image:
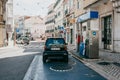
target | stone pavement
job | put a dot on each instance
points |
(108, 62)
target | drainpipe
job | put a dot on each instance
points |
(113, 25)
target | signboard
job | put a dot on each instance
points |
(89, 15)
(17, 30)
(94, 33)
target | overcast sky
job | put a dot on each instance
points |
(31, 7)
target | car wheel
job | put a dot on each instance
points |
(44, 59)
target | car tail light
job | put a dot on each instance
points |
(44, 47)
(65, 47)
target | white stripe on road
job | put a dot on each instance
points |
(31, 73)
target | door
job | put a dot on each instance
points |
(107, 22)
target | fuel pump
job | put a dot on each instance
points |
(92, 44)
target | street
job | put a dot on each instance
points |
(14, 62)
(58, 70)
(25, 62)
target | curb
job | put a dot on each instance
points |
(98, 69)
(7, 47)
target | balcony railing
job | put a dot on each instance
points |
(50, 21)
(56, 3)
(50, 12)
(48, 31)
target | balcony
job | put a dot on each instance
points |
(66, 13)
(50, 21)
(57, 2)
(50, 12)
(49, 31)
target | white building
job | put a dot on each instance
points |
(9, 22)
(58, 9)
(35, 25)
(50, 21)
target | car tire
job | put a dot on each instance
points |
(44, 59)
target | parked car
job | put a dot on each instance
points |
(23, 40)
(55, 48)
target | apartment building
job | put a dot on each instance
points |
(50, 22)
(58, 9)
(69, 21)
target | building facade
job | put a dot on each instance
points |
(80, 17)
(107, 23)
(50, 22)
(3, 37)
(9, 22)
(58, 9)
(69, 21)
(34, 26)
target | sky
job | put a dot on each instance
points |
(31, 7)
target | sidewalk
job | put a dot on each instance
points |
(6, 47)
(108, 62)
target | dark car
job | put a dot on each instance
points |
(55, 48)
(26, 40)
(23, 40)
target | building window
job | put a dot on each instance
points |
(106, 31)
(78, 5)
(59, 13)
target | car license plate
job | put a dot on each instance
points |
(55, 48)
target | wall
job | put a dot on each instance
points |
(104, 10)
(117, 32)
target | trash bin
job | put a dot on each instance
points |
(82, 49)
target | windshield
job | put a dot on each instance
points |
(56, 41)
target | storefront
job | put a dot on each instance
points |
(88, 21)
(89, 31)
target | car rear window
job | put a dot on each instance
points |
(56, 41)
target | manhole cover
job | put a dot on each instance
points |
(61, 68)
(104, 63)
(117, 64)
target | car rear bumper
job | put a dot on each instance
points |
(55, 54)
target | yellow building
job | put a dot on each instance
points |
(2, 23)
